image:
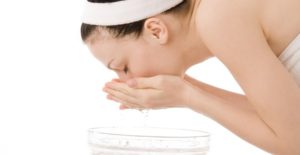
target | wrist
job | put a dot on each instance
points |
(197, 100)
(191, 97)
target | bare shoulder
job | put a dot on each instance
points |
(223, 14)
(267, 16)
(242, 6)
(230, 28)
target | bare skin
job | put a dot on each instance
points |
(247, 36)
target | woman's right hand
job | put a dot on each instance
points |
(163, 91)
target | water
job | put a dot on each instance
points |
(145, 116)
(132, 118)
(131, 135)
(147, 141)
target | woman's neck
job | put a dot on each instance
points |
(196, 51)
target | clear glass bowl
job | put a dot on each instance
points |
(147, 141)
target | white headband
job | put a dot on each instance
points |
(124, 12)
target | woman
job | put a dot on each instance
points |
(150, 44)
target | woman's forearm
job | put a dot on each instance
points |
(244, 123)
(240, 118)
(236, 99)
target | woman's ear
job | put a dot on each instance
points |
(155, 30)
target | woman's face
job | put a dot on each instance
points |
(163, 48)
(130, 57)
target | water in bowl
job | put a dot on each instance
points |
(147, 141)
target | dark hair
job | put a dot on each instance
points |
(119, 31)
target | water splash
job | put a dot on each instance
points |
(132, 118)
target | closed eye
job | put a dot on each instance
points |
(126, 70)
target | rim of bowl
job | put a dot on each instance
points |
(196, 133)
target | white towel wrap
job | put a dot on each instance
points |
(290, 57)
(124, 12)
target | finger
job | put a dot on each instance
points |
(121, 98)
(123, 105)
(144, 83)
(110, 97)
(117, 80)
(120, 87)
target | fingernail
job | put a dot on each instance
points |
(123, 108)
(109, 97)
(108, 85)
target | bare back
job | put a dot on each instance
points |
(280, 19)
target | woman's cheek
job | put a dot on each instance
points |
(142, 72)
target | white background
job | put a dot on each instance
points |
(50, 86)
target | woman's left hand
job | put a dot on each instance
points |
(157, 92)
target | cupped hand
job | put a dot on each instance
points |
(163, 91)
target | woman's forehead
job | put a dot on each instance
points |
(99, 35)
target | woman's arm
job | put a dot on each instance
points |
(168, 91)
(234, 112)
(235, 99)
(241, 120)
(233, 32)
